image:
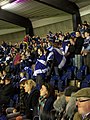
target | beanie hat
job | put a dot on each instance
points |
(69, 90)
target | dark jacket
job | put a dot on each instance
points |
(31, 104)
(6, 93)
(48, 107)
(49, 104)
(71, 51)
(78, 45)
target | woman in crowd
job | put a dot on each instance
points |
(40, 67)
(47, 98)
(28, 106)
(31, 100)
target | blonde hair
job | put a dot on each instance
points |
(31, 83)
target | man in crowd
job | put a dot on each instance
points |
(78, 47)
(83, 104)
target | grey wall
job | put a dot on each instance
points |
(56, 27)
(63, 26)
(14, 37)
(86, 17)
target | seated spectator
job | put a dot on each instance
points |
(7, 91)
(18, 108)
(47, 98)
(83, 104)
(1, 84)
(2, 116)
(65, 105)
(31, 101)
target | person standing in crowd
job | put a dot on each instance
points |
(86, 49)
(40, 67)
(55, 59)
(78, 47)
(70, 55)
(59, 59)
(83, 104)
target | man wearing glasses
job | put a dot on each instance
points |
(83, 104)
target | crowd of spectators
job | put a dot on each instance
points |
(26, 69)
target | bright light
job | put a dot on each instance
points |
(7, 5)
(4, 2)
(10, 4)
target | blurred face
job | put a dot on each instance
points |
(23, 57)
(1, 74)
(67, 98)
(77, 34)
(26, 53)
(83, 105)
(79, 25)
(39, 52)
(43, 91)
(27, 87)
(4, 72)
(21, 74)
(86, 34)
(22, 84)
(7, 81)
(1, 82)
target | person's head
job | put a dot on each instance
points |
(85, 22)
(40, 51)
(50, 42)
(29, 85)
(69, 91)
(86, 26)
(72, 41)
(87, 33)
(1, 74)
(4, 72)
(22, 82)
(78, 34)
(23, 57)
(7, 80)
(56, 44)
(47, 90)
(1, 82)
(83, 100)
(22, 74)
(79, 25)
